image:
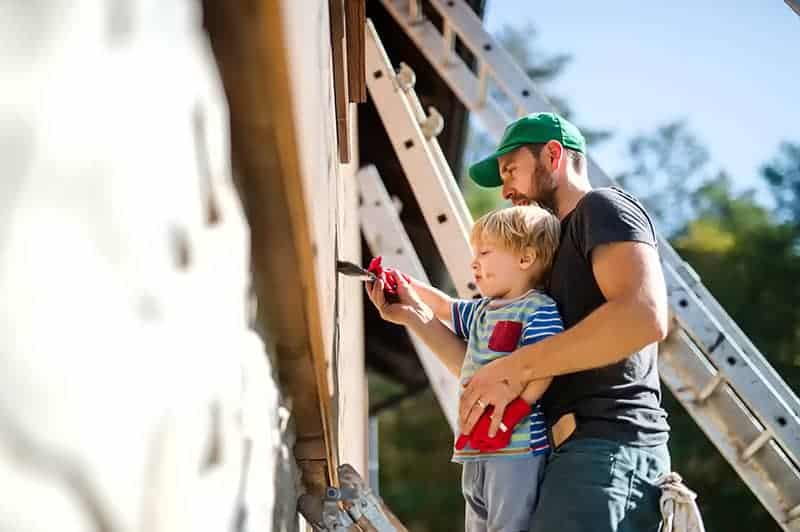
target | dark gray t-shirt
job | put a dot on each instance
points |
(621, 402)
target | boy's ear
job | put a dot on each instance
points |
(527, 258)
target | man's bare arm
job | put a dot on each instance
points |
(635, 314)
(535, 389)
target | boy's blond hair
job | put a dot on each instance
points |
(521, 228)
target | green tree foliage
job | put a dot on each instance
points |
(783, 175)
(750, 261)
(667, 167)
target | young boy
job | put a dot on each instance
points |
(513, 250)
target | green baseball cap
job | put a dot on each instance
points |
(534, 128)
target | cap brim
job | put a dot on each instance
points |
(486, 172)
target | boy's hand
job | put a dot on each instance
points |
(408, 307)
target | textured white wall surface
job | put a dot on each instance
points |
(132, 395)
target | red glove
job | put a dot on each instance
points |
(388, 276)
(479, 437)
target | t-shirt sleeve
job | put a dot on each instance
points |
(462, 312)
(612, 215)
(544, 322)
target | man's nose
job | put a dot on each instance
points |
(507, 192)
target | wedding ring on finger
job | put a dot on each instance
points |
(502, 427)
(480, 403)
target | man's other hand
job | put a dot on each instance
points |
(495, 384)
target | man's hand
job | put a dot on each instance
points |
(409, 307)
(495, 384)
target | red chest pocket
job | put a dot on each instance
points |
(505, 336)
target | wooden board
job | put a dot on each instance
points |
(282, 137)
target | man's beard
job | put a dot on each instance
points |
(544, 185)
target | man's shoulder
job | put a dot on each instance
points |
(602, 205)
(608, 196)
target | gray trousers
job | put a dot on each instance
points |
(501, 493)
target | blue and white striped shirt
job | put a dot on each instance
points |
(475, 321)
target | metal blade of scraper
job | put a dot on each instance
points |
(354, 270)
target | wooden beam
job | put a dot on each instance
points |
(249, 41)
(355, 28)
(340, 83)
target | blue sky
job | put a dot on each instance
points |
(731, 69)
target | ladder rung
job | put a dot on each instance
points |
(726, 420)
(449, 37)
(483, 83)
(415, 11)
(793, 513)
(710, 388)
(756, 444)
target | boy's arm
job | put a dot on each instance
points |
(448, 347)
(535, 389)
(412, 312)
(439, 302)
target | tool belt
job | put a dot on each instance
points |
(560, 431)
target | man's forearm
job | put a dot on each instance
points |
(535, 389)
(448, 347)
(611, 333)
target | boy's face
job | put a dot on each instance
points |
(499, 272)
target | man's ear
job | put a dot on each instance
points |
(553, 152)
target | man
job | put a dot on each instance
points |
(607, 427)
(603, 405)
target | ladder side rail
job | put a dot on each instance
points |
(464, 84)
(507, 74)
(461, 16)
(736, 368)
(794, 5)
(412, 149)
(731, 328)
(386, 236)
(434, 123)
(729, 425)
